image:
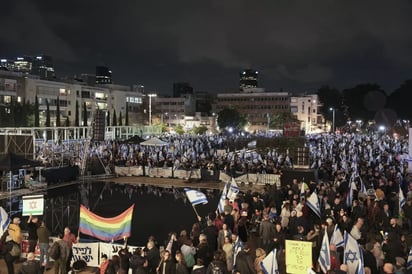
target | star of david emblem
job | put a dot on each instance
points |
(351, 256)
(33, 205)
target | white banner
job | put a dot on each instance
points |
(113, 249)
(89, 252)
(33, 205)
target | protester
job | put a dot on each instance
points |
(30, 266)
(32, 225)
(43, 235)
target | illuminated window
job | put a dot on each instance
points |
(7, 99)
(62, 91)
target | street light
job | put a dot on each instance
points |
(333, 118)
(150, 106)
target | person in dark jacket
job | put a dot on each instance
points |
(138, 263)
(167, 265)
(31, 266)
(32, 225)
(153, 257)
(124, 256)
(218, 263)
(244, 261)
(369, 259)
(203, 251)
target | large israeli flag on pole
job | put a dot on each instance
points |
(324, 255)
(221, 205)
(270, 263)
(196, 197)
(313, 203)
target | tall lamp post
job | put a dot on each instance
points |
(150, 106)
(333, 118)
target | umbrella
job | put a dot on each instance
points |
(154, 142)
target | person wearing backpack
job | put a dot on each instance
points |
(244, 261)
(12, 249)
(217, 265)
(61, 262)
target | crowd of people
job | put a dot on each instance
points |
(361, 182)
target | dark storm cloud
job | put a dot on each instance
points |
(295, 44)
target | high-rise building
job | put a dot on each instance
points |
(103, 75)
(248, 79)
(41, 65)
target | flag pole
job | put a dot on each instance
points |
(197, 214)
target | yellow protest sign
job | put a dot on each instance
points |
(298, 256)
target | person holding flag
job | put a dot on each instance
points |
(353, 255)
(324, 255)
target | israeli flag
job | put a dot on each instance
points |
(196, 197)
(402, 200)
(4, 221)
(324, 255)
(313, 203)
(270, 263)
(409, 262)
(353, 256)
(362, 187)
(233, 191)
(221, 205)
(337, 238)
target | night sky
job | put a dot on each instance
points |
(297, 46)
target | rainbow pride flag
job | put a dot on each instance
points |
(106, 229)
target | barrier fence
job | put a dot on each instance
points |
(255, 178)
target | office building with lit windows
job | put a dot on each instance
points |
(255, 106)
(41, 66)
(306, 109)
(103, 75)
(248, 80)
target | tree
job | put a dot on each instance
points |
(179, 129)
(108, 118)
(120, 119)
(114, 123)
(397, 102)
(230, 118)
(127, 114)
(200, 130)
(36, 112)
(76, 117)
(47, 124)
(363, 101)
(278, 119)
(58, 112)
(84, 114)
(330, 97)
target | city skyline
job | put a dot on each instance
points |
(295, 46)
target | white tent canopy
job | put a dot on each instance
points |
(156, 142)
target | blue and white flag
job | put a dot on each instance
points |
(196, 197)
(337, 238)
(270, 263)
(352, 255)
(313, 203)
(349, 198)
(402, 200)
(363, 187)
(221, 205)
(4, 221)
(324, 255)
(409, 262)
(232, 191)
